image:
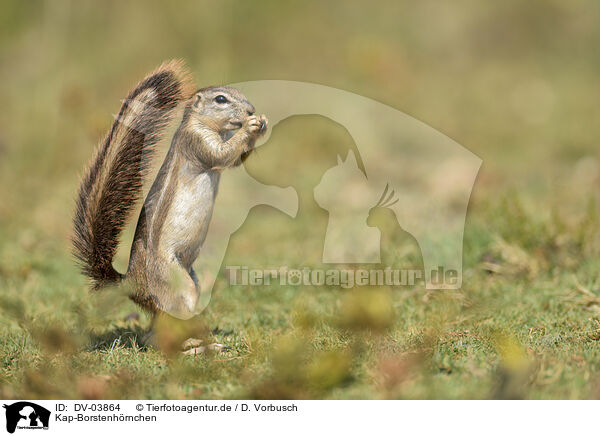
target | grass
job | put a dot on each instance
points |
(525, 324)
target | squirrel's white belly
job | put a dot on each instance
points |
(189, 216)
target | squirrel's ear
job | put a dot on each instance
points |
(197, 101)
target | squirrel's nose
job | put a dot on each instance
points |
(250, 109)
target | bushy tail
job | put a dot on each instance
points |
(113, 181)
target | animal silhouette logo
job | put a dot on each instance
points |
(26, 415)
(361, 230)
(428, 178)
(431, 175)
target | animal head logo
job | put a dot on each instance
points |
(26, 415)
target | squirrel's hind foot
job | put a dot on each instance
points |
(192, 347)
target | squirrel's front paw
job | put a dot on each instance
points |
(257, 125)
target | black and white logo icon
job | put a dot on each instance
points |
(26, 415)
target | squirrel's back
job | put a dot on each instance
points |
(112, 183)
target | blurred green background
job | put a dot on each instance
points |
(515, 82)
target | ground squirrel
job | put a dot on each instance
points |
(218, 131)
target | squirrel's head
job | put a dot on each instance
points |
(221, 108)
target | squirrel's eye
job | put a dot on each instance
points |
(221, 99)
